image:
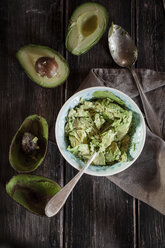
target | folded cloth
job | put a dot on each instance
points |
(145, 179)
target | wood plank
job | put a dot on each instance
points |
(23, 22)
(150, 42)
(98, 214)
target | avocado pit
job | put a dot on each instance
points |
(29, 143)
(46, 67)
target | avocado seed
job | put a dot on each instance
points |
(46, 67)
(29, 143)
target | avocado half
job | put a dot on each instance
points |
(87, 25)
(32, 192)
(29, 145)
(28, 57)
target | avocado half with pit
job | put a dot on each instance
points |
(29, 145)
(43, 65)
(32, 192)
(87, 25)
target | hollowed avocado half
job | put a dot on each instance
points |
(43, 65)
(87, 25)
(29, 145)
(32, 192)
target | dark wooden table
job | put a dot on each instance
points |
(98, 214)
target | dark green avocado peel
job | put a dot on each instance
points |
(29, 145)
(32, 192)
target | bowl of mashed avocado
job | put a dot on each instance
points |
(100, 119)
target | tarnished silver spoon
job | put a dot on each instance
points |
(124, 52)
(55, 204)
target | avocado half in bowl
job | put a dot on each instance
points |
(133, 132)
(87, 25)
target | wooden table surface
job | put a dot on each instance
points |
(98, 214)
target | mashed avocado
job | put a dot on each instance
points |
(101, 124)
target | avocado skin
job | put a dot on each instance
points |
(86, 49)
(20, 161)
(32, 77)
(32, 192)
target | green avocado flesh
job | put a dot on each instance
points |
(21, 161)
(32, 192)
(87, 25)
(28, 56)
(101, 124)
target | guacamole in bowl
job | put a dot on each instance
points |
(104, 120)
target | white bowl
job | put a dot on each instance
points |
(137, 138)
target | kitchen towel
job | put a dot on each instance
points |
(145, 179)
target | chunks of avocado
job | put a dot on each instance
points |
(99, 124)
(87, 25)
(43, 65)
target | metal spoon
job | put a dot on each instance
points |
(124, 52)
(57, 202)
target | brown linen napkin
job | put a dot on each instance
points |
(145, 179)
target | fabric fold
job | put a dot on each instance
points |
(145, 179)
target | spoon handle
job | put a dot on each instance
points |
(151, 117)
(57, 202)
